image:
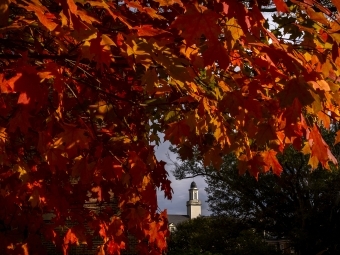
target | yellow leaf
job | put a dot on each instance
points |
(34, 198)
(223, 86)
(169, 2)
(313, 162)
(107, 41)
(326, 67)
(3, 135)
(169, 115)
(140, 49)
(306, 149)
(23, 170)
(146, 181)
(102, 110)
(307, 56)
(233, 32)
(324, 119)
(320, 84)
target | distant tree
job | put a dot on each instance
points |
(217, 236)
(301, 204)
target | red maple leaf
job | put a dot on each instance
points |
(195, 22)
(177, 132)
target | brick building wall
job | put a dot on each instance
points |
(83, 249)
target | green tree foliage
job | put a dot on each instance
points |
(301, 204)
(217, 236)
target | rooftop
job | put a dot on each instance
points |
(176, 219)
(193, 185)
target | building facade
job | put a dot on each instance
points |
(194, 209)
(193, 205)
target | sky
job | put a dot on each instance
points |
(180, 187)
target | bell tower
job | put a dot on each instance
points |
(193, 205)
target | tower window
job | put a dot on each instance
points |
(195, 195)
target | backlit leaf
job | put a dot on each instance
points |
(269, 157)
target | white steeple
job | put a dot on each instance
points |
(193, 205)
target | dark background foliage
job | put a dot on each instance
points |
(300, 205)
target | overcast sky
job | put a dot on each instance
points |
(181, 194)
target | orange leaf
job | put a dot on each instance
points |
(319, 148)
(5, 87)
(42, 13)
(169, 2)
(270, 160)
(114, 248)
(149, 30)
(324, 119)
(158, 231)
(75, 235)
(281, 6)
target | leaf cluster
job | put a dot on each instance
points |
(86, 87)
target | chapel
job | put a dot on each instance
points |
(193, 209)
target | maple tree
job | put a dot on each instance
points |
(87, 86)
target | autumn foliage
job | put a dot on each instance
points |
(87, 87)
